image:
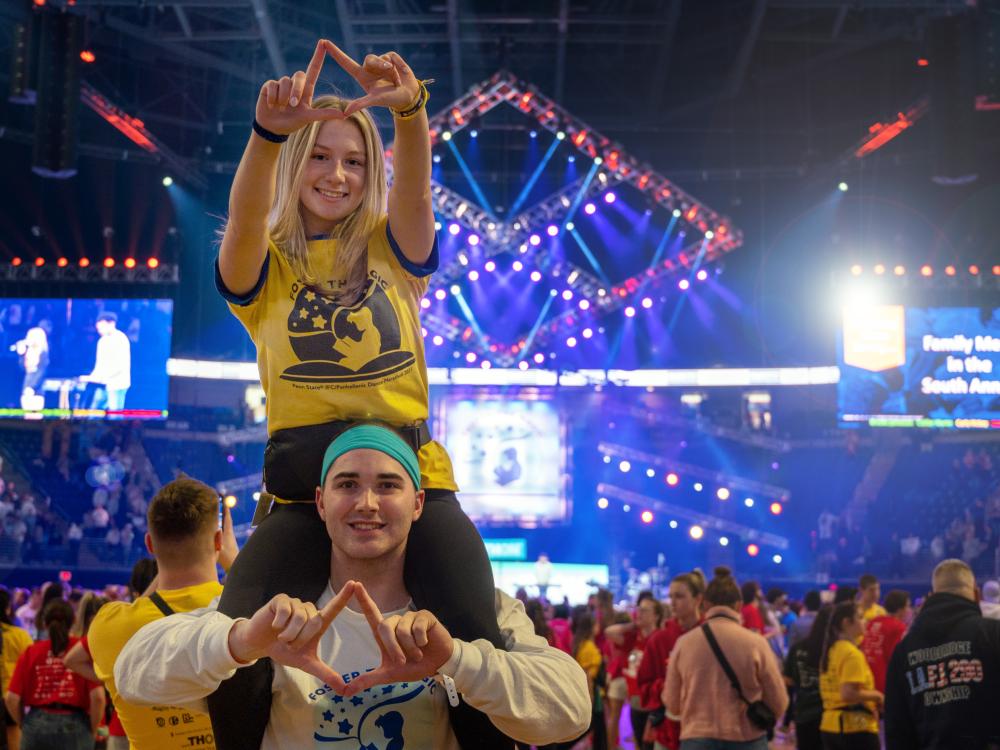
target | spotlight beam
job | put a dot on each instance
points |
(538, 324)
(658, 255)
(694, 270)
(589, 254)
(483, 203)
(581, 194)
(526, 190)
(469, 316)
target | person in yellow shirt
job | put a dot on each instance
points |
(185, 538)
(325, 266)
(869, 593)
(15, 641)
(847, 686)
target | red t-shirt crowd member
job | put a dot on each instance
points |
(633, 646)
(41, 679)
(882, 634)
(652, 674)
(752, 619)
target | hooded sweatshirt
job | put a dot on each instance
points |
(943, 682)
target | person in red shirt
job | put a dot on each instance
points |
(65, 709)
(630, 640)
(752, 617)
(686, 592)
(884, 632)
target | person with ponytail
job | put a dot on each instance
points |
(15, 641)
(325, 267)
(63, 709)
(847, 685)
(802, 673)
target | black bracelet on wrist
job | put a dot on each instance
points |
(266, 134)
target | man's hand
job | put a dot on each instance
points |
(413, 645)
(289, 631)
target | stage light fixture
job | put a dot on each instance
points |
(650, 473)
(109, 262)
(153, 263)
(560, 136)
(567, 294)
(842, 187)
(856, 270)
(473, 239)
(437, 158)
(446, 136)
(473, 133)
(698, 486)
(536, 276)
(950, 270)
(776, 508)
(523, 249)
(486, 364)
(490, 266)
(584, 304)
(552, 230)
(517, 265)
(130, 263)
(571, 342)
(647, 516)
(722, 493)
(570, 226)
(996, 270)
(590, 209)
(168, 181)
(696, 532)
(425, 303)
(62, 262)
(84, 262)
(683, 285)
(533, 133)
(777, 559)
(624, 467)
(676, 213)
(974, 270)
(923, 62)
(673, 524)
(647, 303)
(438, 340)
(39, 261)
(926, 271)
(753, 550)
(535, 240)
(522, 365)
(571, 159)
(440, 294)
(539, 359)
(473, 275)
(879, 269)
(87, 56)
(602, 503)
(724, 541)
(454, 229)
(15, 261)
(626, 508)
(899, 270)
(587, 333)
(610, 197)
(702, 275)
(672, 479)
(709, 234)
(470, 357)
(748, 502)
(629, 312)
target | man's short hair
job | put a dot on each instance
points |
(866, 581)
(813, 601)
(896, 601)
(953, 577)
(182, 511)
(845, 594)
(108, 317)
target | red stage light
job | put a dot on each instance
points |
(84, 262)
(776, 508)
(974, 270)
(87, 56)
(39, 3)
(109, 262)
(673, 479)
(926, 271)
(753, 550)
(62, 262)
(152, 263)
(130, 263)
(996, 270)
(39, 262)
(15, 261)
(923, 62)
(949, 270)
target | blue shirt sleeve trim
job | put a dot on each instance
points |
(242, 299)
(418, 270)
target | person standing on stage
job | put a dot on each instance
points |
(325, 267)
(112, 366)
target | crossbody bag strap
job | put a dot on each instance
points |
(161, 604)
(723, 662)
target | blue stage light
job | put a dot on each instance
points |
(517, 265)
(570, 225)
(624, 467)
(454, 229)
(676, 213)
(425, 303)
(683, 285)
(629, 312)
(438, 340)
(702, 275)
(587, 333)
(535, 240)
(590, 209)
(571, 158)
(490, 266)
(536, 276)
(470, 357)
(440, 294)
(724, 541)
(539, 359)
(522, 365)
(446, 136)
(533, 133)
(567, 295)
(437, 158)
(473, 239)
(552, 230)
(602, 503)
(486, 364)
(456, 289)
(584, 304)
(473, 133)
(609, 197)
(560, 136)
(571, 342)
(647, 302)
(473, 275)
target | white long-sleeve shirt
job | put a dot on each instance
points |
(532, 692)
(113, 363)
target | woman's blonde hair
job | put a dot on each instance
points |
(285, 225)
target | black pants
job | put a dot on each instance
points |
(851, 741)
(807, 735)
(638, 718)
(446, 571)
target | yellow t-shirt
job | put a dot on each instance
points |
(149, 727)
(876, 610)
(846, 664)
(15, 642)
(320, 362)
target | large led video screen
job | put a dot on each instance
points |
(920, 367)
(509, 456)
(84, 358)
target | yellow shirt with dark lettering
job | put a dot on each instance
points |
(846, 663)
(322, 362)
(149, 727)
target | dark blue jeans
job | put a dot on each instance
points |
(706, 743)
(44, 730)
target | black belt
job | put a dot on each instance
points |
(61, 708)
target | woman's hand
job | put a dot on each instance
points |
(386, 79)
(285, 105)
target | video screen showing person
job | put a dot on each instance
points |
(84, 358)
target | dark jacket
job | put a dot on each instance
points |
(943, 684)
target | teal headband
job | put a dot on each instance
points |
(376, 438)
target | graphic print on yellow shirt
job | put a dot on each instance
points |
(322, 362)
(845, 664)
